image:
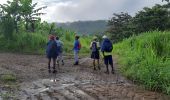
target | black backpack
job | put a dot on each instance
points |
(94, 47)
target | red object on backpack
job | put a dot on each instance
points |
(79, 46)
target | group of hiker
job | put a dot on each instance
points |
(54, 51)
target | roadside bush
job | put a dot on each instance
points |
(146, 58)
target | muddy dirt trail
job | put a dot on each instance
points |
(70, 83)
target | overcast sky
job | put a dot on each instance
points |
(74, 10)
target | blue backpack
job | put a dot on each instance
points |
(108, 46)
(52, 48)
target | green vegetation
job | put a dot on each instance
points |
(123, 25)
(8, 78)
(145, 59)
(7, 96)
(21, 29)
(35, 43)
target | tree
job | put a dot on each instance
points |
(11, 11)
(155, 18)
(119, 26)
(30, 13)
(165, 0)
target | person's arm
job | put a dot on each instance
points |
(98, 45)
(102, 48)
(75, 45)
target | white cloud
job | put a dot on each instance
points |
(73, 10)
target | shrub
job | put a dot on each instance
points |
(145, 59)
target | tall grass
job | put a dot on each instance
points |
(24, 43)
(35, 43)
(146, 59)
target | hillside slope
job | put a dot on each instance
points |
(85, 27)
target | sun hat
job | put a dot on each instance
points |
(104, 37)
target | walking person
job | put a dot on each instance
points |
(60, 50)
(76, 49)
(51, 52)
(106, 49)
(94, 46)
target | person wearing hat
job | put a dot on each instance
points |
(51, 52)
(94, 47)
(106, 49)
(76, 49)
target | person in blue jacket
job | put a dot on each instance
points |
(106, 49)
(76, 49)
(52, 53)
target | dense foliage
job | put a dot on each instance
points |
(122, 25)
(146, 59)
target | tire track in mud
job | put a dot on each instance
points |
(71, 82)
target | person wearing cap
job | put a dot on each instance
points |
(106, 49)
(76, 49)
(94, 47)
(51, 53)
(60, 50)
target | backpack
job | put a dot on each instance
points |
(59, 46)
(79, 45)
(94, 47)
(108, 47)
(52, 48)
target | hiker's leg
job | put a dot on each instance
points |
(58, 59)
(54, 65)
(97, 58)
(76, 57)
(61, 54)
(98, 64)
(106, 63)
(111, 63)
(94, 66)
(49, 62)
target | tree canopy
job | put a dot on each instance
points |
(155, 18)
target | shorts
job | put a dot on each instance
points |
(108, 60)
(52, 55)
(95, 55)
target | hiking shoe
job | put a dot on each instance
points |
(113, 72)
(76, 63)
(57, 61)
(94, 68)
(54, 71)
(63, 63)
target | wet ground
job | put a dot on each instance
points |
(70, 83)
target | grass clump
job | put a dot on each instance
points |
(7, 78)
(146, 59)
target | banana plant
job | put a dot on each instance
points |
(31, 13)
